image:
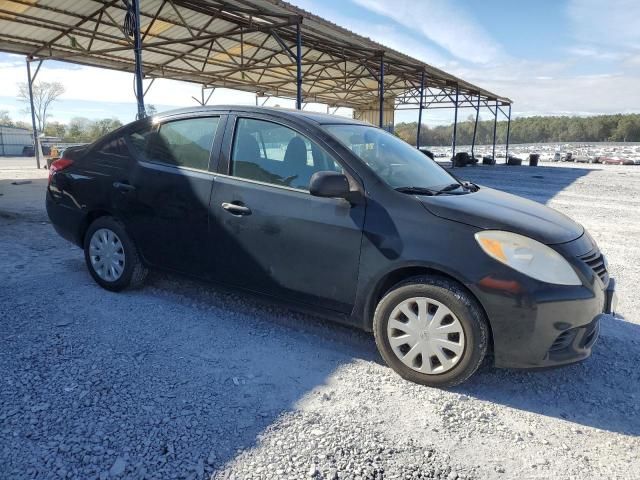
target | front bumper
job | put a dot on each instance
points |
(575, 344)
(537, 325)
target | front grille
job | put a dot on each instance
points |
(596, 262)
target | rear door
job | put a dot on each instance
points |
(271, 235)
(165, 197)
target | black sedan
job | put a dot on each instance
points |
(343, 219)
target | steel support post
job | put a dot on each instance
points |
(495, 127)
(137, 49)
(455, 129)
(36, 140)
(298, 66)
(506, 154)
(420, 110)
(381, 91)
(475, 130)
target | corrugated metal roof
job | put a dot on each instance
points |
(228, 43)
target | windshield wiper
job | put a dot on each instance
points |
(449, 188)
(432, 192)
(466, 186)
(417, 190)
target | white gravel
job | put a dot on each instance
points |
(185, 380)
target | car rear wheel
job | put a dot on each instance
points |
(111, 256)
(431, 331)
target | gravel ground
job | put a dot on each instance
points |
(185, 380)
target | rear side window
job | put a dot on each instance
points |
(116, 146)
(182, 143)
(114, 152)
(275, 154)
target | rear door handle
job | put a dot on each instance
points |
(235, 209)
(123, 187)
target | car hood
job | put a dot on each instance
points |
(495, 210)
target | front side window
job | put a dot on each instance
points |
(272, 153)
(396, 162)
(183, 143)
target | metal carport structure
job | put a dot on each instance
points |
(268, 47)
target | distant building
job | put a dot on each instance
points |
(49, 141)
(14, 140)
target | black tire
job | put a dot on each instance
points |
(134, 272)
(461, 303)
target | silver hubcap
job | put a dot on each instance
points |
(107, 254)
(425, 335)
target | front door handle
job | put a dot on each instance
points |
(123, 187)
(235, 209)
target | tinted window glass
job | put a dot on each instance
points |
(395, 161)
(114, 152)
(137, 141)
(115, 146)
(184, 143)
(271, 153)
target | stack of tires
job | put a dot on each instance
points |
(488, 160)
(533, 159)
(463, 159)
(514, 161)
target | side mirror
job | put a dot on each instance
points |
(329, 184)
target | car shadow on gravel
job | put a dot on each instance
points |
(246, 363)
(539, 184)
(172, 380)
(602, 392)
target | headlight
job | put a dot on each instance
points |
(527, 256)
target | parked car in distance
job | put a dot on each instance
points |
(342, 219)
(616, 161)
(583, 159)
(28, 151)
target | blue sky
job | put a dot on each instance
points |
(550, 56)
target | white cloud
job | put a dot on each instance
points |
(611, 22)
(101, 87)
(596, 53)
(386, 34)
(537, 87)
(91, 84)
(443, 23)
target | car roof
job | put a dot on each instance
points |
(316, 117)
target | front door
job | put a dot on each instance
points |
(270, 235)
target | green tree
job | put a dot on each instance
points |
(55, 129)
(537, 129)
(78, 130)
(628, 128)
(99, 128)
(5, 119)
(44, 94)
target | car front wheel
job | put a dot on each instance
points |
(111, 256)
(431, 331)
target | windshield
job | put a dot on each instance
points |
(395, 161)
